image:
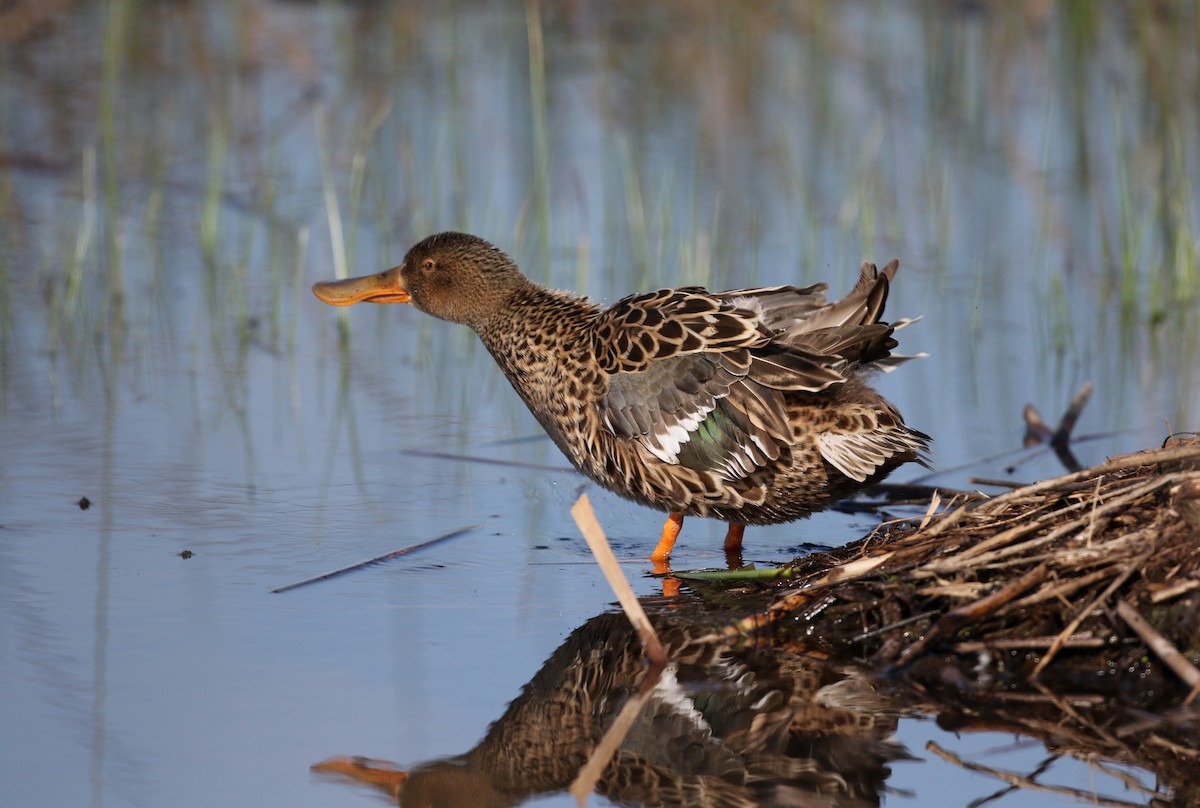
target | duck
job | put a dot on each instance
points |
(750, 406)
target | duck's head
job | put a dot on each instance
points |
(453, 276)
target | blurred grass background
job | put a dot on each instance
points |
(1030, 162)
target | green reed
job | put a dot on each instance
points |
(329, 193)
(115, 45)
(539, 133)
(8, 232)
(356, 191)
(636, 218)
(1181, 233)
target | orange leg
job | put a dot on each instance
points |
(733, 539)
(670, 533)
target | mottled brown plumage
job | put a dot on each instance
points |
(747, 406)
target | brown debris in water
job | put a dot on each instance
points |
(1068, 609)
(1042, 566)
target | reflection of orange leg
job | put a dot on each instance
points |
(670, 586)
(669, 534)
(733, 539)
(382, 774)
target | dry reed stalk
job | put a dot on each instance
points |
(1024, 565)
(585, 781)
(1062, 590)
(795, 598)
(950, 621)
(1174, 591)
(975, 556)
(1084, 640)
(1084, 612)
(1190, 451)
(585, 518)
(1160, 645)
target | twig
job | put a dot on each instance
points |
(992, 602)
(935, 500)
(950, 621)
(915, 618)
(893, 493)
(969, 556)
(491, 461)
(1085, 640)
(1085, 611)
(1182, 751)
(1128, 779)
(1070, 711)
(587, 777)
(585, 518)
(944, 471)
(955, 589)
(975, 556)
(947, 521)
(360, 564)
(1067, 587)
(1116, 464)
(988, 481)
(1062, 435)
(1037, 432)
(1082, 699)
(1159, 644)
(1020, 781)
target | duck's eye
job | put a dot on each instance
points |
(428, 265)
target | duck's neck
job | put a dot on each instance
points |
(538, 325)
(543, 340)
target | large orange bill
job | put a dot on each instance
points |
(384, 287)
(382, 774)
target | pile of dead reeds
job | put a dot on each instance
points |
(1099, 561)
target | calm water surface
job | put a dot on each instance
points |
(173, 177)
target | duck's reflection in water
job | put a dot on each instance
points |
(723, 726)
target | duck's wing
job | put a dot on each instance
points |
(700, 411)
(698, 379)
(864, 437)
(864, 303)
(849, 332)
(640, 329)
(851, 335)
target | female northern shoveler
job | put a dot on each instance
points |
(747, 406)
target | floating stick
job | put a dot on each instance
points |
(491, 461)
(395, 554)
